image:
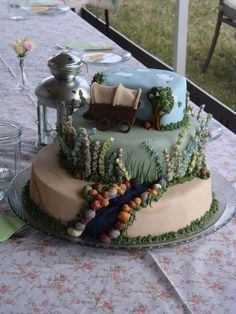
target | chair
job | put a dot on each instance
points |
(226, 14)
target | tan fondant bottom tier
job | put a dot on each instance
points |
(55, 191)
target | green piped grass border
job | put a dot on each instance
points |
(124, 239)
(57, 226)
(195, 226)
(175, 125)
(40, 215)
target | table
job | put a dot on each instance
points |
(41, 274)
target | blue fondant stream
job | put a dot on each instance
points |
(106, 217)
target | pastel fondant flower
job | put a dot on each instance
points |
(93, 131)
(80, 226)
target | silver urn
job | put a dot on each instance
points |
(63, 89)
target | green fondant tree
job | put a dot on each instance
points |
(163, 101)
(98, 78)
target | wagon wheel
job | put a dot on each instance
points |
(124, 126)
(103, 124)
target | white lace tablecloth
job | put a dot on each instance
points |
(40, 274)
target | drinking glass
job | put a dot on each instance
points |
(10, 133)
(18, 9)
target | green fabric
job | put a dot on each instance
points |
(42, 2)
(8, 226)
(88, 45)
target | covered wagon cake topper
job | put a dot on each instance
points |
(114, 104)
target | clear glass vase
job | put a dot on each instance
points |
(10, 133)
(22, 82)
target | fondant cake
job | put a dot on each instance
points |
(130, 166)
(147, 78)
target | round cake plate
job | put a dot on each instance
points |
(59, 8)
(105, 58)
(224, 192)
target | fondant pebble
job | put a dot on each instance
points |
(105, 238)
(105, 194)
(123, 186)
(114, 233)
(156, 186)
(124, 216)
(128, 185)
(92, 192)
(87, 188)
(119, 225)
(120, 191)
(97, 186)
(95, 205)
(85, 220)
(137, 200)
(74, 232)
(162, 183)
(112, 192)
(144, 196)
(80, 226)
(90, 214)
(204, 170)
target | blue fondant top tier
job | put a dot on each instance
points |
(146, 79)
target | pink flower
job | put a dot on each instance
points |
(36, 309)
(31, 275)
(178, 306)
(186, 250)
(45, 302)
(87, 266)
(195, 309)
(23, 46)
(210, 274)
(140, 309)
(62, 278)
(108, 305)
(28, 46)
(3, 289)
(217, 285)
(166, 294)
(117, 269)
(69, 290)
(166, 260)
(196, 299)
(217, 253)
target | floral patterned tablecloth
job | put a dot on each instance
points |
(40, 274)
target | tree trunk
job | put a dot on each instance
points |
(157, 119)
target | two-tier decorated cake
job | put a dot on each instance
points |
(128, 167)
